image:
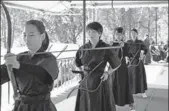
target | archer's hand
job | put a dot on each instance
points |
(105, 76)
(121, 44)
(127, 60)
(141, 56)
(10, 59)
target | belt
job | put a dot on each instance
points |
(134, 57)
(27, 99)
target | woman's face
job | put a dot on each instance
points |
(119, 36)
(33, 37)
(134, 35)
(93, 35)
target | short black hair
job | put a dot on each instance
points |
(95, 26)
(153, 42)
(119, 30)
(135, 30)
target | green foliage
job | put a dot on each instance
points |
(144, 19)
(63, 28)
(69, 28)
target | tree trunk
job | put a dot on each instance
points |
(156, 23)
(129, 36)
(5, 35)
(13, 34)
(149, 18)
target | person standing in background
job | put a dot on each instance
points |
(121, 86)
(147, 59)
(136, 52)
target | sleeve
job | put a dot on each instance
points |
(112, 58)
(125, 50)
(47, 66)
(143, 47)
(4, 74)
(77, 58)
(51, 66)
(35, 70)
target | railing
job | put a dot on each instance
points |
(65, 73)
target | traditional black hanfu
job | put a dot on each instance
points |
(147, 59)
(121, 87)
(137, 73)
(102, 99)
(34, 79)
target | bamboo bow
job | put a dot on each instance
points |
(9, 67)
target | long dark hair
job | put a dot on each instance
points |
(41, 28)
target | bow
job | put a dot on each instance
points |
(87, 89)
(9, 67)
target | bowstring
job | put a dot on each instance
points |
(87, 89)
(153, 92)
(130, 61)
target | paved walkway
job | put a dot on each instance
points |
(157, 100)
(157, 78)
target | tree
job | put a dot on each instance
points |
(69, 28)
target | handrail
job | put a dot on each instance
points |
(65, 67)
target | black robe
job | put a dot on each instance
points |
(102, 99)
(34, 79)
(121, 87)
(137, 73)
(147, 59)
